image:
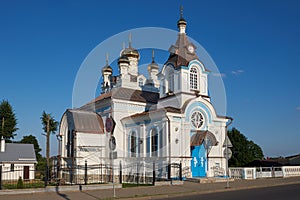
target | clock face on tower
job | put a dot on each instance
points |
(191, 48)
(197, 119)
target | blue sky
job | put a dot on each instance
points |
(255, 45)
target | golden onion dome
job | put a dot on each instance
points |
(107, 68)
(123, 59)
(131, 53)
(181, 21)
(153, 65)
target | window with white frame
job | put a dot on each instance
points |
(170, 78)
(133, 144)
(193, 78)
(154, 142)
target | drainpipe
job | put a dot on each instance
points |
(226, 149)
(169, 148)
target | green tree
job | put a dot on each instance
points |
(30, 139)
(49, 127)
(243, 150)
(8, 121)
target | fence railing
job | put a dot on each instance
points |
(21, 179)
(289, 171)
(138, 173)
(264, 172)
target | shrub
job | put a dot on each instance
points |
(20, 183)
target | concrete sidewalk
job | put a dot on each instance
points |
(149, 192)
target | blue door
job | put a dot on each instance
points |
(198, 162)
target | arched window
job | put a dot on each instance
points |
(170, 79)
(133, 144)
(154, 142)
(193, 78)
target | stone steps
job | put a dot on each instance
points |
(208, 180)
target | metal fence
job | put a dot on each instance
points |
(84, 174)
(136, 173)
(21, 178)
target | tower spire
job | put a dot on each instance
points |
(106, 59)
(181, 12)
(130, 40)
(153, 56)
(123, 47)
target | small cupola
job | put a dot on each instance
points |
(106, 73)
(181, 24)
(153, 65)
(123, 60)
(107, 68)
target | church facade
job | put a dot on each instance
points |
(164, 118)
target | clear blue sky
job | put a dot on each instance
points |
(255, 44)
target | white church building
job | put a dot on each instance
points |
(164, 118)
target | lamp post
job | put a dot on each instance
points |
(59, 139)
(226, 150)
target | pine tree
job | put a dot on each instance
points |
(8, 121)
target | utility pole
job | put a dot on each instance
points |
(226, 149)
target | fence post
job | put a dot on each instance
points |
(137, 173)
(180, 171)
(153, 180)
(85, 172)
(120, 178)
(169, 171)
(0, 177)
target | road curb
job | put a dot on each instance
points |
(162, 196)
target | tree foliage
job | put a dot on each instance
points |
(8, 121)
(244, 151)
(30, 139)
(50, 127)
(52, 123)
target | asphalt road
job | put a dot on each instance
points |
(265, 189)
(285, 192)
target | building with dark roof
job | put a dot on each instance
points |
(17, 160)
(165, 118)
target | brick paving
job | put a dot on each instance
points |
(150, 192)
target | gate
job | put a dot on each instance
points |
(175, 171)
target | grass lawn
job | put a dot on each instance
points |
(26, 184)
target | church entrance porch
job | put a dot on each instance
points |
(200, 144)
(199, 161)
